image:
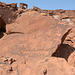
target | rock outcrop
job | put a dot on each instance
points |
(8, 15)
(10, 11)
(38, 42)
(37, 9)
(23, 6)
(11, 5)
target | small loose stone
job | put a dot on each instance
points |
(45, 71)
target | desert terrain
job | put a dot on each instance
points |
(36, 41)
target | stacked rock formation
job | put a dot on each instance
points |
(10, 11)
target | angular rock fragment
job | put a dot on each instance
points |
(13, 5)
(23, 6)
(51, 12)
(8, 18)
(36, 9)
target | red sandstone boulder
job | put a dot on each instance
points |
(2, 4)
(51, 12)
(41, 35)
(23, 6)
(33, 39)
(71, 59)
(67, 47)
(12, 5)
(8, 18)
(36, 9)
(8, 8)
(70, 40)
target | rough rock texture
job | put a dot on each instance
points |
(10, 11)
(37, 9)
(71, 59)
(12, 5)
(40, 37)
(23, 6)
(52, 66)
(8, 18)
(70, 40)
(39, 42)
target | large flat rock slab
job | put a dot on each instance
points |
(37, 39)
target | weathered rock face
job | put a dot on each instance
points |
(39, 38)
(8, 14)
(23, 6)
(51, 12)
(50, 66)
(2, 4)
(12, 5)
(71, 59)
(8, 11)
(39, 34)
(2, 25)
(37, 9)
(13, 11)
(70, 40)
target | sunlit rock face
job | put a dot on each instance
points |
(36, 41)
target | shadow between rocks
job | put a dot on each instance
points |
(2, 30)
(63, 50)
(1, 34)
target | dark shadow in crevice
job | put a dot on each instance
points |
(10, 32)
(63, 51)
(1, 34)
(64, 36)
(2, 30)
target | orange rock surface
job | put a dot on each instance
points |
(39, 42)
